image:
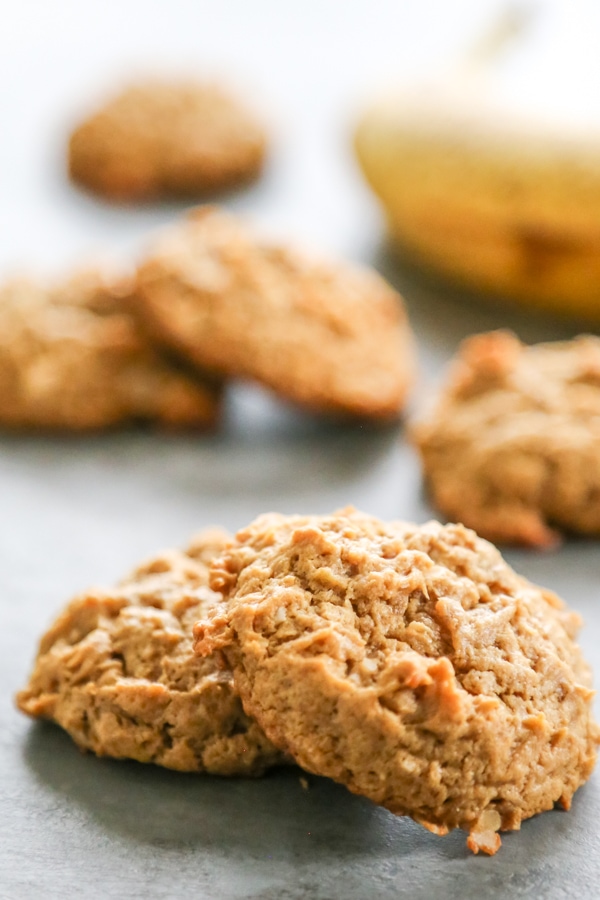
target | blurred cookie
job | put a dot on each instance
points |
(117, 671)
(512, 447)
(330, 337)
(72, 357)
(409, 663)
(159, 139)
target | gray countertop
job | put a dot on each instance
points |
(81, 511)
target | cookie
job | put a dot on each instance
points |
(410, 663)
(158, 139)
(512, 448)
(488, 174)
(330, 337)
(73, 357)
(117, 671)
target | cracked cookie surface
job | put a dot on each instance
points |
(410, 663)
(512, 448)
(73, 357)
(117, 671)
(159, 139)
(331, 337)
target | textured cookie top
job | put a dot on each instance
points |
(331, 337)
(72, 356)
(160, 138)
(410, 663)
(513, 444)
(118, 672)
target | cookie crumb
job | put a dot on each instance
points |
(484, 835)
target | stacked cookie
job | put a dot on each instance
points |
(212, 301)
(74, 356)
(409, 663)
(332, 338)
(117, 671)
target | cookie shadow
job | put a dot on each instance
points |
(331, 842)
(274, 817)
(262, 449)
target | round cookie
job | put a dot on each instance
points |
(117, 671)
(332, 338)
(160, 139)
(512, 448)
(72, 357)
(409, 663)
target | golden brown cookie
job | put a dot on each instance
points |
(158, 139)
(73, 357)
(331, 337)
(410, 663)
(118, 672)
(512, 447)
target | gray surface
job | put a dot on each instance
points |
(81, 512)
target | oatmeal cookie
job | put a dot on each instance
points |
(409, 663)
(329, 337)
(73, 357)
(117, 671)
(513, 447)
(158, 139)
